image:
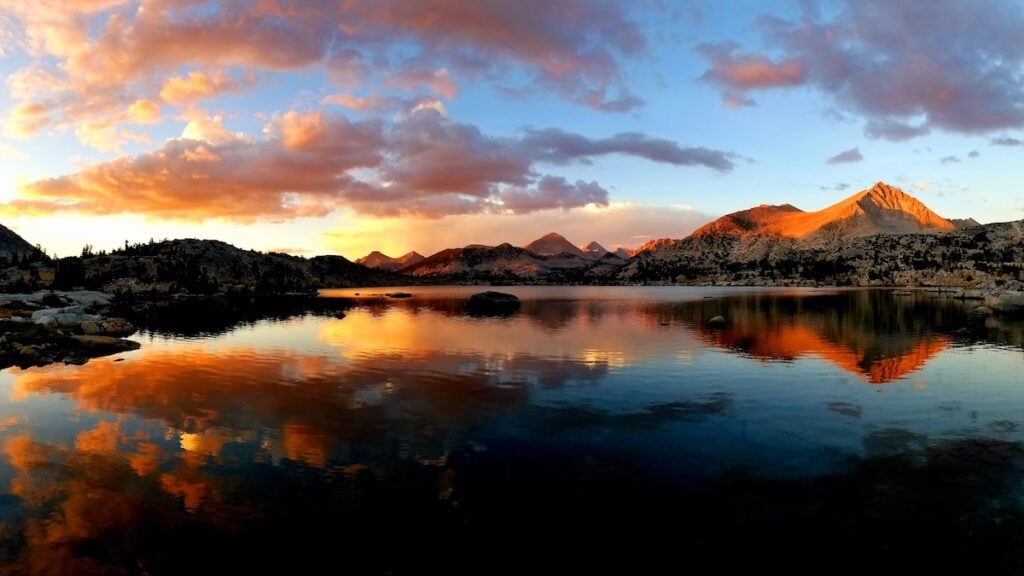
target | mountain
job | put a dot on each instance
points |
(624, 253)
(878, 237)
(14, 247)
(506, 263)
(881, 209)
(382, 261)
(990, 255)
(553, 244)
(206, 266)
(594, 250)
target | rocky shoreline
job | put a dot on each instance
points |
(41, 328)
(73, 327)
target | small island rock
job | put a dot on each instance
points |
(491, 302)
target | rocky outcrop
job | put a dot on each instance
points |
(491, 302)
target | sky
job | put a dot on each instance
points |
(346, 126)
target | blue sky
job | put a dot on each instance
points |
(492, 121)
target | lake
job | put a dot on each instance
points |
(594, 426)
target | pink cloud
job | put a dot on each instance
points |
(309, 164)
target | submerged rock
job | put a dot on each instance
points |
(1007, 301)
(717, 321)
(983, 311)
(491, 302)
(398, 295)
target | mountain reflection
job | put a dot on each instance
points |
(872, 334)
(404, 415)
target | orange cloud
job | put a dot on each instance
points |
(309, 164)
(196, 85)
(92, 58)
(25, 120)
(144, 111)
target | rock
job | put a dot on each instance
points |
(398, 295)
(107, 344)
(115, 327)
(1007, 301)
(339, 315)
(75, 359)
(29, 351)
(91, 328)
(717, 321)
(982, 311)
(491, 302)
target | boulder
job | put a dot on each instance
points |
(398, 295)
(491, 302)
(717, 321)
(108, 327)
(106, 344)
(983, 311)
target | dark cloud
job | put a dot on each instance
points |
(553, 192)
(846, 157)
(949, 160)
(906, 66)
(1006, 141)
(559, 147)
(893, 130)
(974, 154)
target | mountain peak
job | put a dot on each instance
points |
(378, 259)
(881, 209)
(553, 244)
(594, 247)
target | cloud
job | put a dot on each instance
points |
(367, 103)
(553, 192)
(846, 157)
(144, 112)
(557, 146)
(91, 59)
(974, 154)
(1006, 141)
(922, 186)
(196, 86)
(959, 72)
(8, 152)
(25, 120)
(309, 164)
(894, 131)
(736, 72)
(949, 160)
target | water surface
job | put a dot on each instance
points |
(412, 430)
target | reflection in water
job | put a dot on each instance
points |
(864, 332)
(409, 423)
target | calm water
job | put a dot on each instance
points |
(860, 423)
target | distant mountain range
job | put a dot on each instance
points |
(550, 258)
(382, 261)
(879, 236)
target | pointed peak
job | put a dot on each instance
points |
(594, 247)
(552, 236)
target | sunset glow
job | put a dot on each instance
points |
(357, 126)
